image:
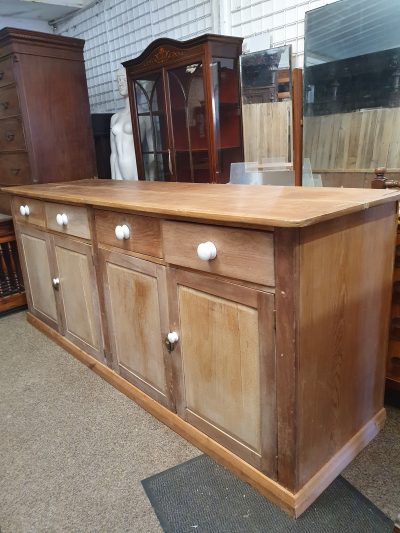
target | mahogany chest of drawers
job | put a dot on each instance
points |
(45, 128)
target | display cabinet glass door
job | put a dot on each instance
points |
(152, 124)
(189, 123)
(226, 115)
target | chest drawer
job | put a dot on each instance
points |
(68, 219)
(14, 169)
(142, 234)
(6, 72)
(240, 253)
(9, 104)
(11, 134)
(28, 210)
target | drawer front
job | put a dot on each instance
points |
(9, 104)
(73, 220)
(11, 134)
(14, 169)
(240, 253)
(144, 232)
(33, 215)
(6, 72)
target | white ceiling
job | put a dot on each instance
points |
(39, 9)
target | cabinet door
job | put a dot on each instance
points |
(189, 122)
(38, 271)
(137, 318)
(152, 142)
(226, 360)
(78, 295)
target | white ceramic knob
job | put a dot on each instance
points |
(62, 219)
(27, 210)
(207, 251)
(126, 232)
(119, 233)
(173, 337)
(22, 210)
(56, 282)
(122, 232)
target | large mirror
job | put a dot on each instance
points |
(267, 107)
(352, 91)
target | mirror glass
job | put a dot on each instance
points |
(352, 91)
(266, 84)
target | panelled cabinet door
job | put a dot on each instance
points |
(137, 317)
(226, 359)
(78, 295)
(38, 270)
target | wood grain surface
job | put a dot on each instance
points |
(78, 221)
(241, 254)
(38, 272)
(36, 211)
(260, 205)
(137, 321)
(145, 232)
(78, 293)
(344, 302)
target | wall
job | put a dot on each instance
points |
(116, 30)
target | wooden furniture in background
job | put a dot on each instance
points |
(45, 128)
(186, 110)
(393, 354)
(298, 125)
(12, 292)
(233, 344)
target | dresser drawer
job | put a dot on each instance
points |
(240, 253)
(9, 104)
(14, 169)
(6, 72)
(144, 232)
(33, 215)
(11, 134)
(68, 219)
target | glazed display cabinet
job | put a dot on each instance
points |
(186, 110)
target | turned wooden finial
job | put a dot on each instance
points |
(379, 182)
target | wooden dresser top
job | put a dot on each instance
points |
(261, 205)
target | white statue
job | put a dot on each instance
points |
(123, 158)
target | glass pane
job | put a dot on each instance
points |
(226, 107)
(152, 125)
(352, 92)
(156, 166)
(267, 108)
(189, 122)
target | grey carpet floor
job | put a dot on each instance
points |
(73, 450)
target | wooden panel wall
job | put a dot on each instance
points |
(267, 131)
(359, 140)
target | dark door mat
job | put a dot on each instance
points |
(200, 496)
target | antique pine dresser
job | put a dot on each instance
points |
(252, 320)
